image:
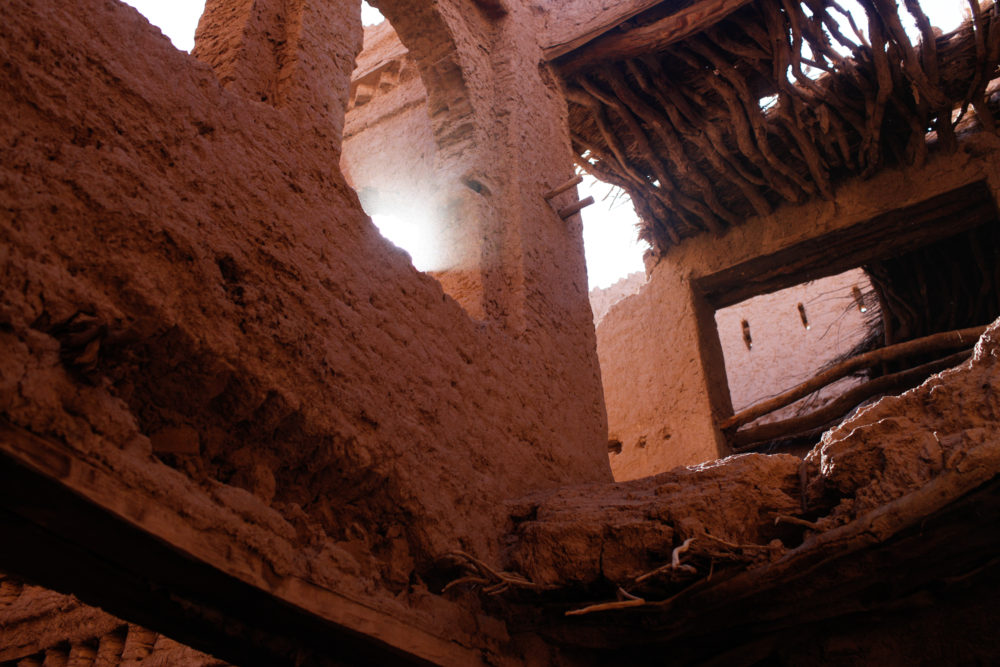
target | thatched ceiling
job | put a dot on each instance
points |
(713, 113)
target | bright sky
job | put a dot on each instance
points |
(609, 233)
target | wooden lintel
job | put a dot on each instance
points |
(611, 46)
(887, 235)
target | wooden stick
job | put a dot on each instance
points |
(606, 606)
(784, 518)
(837, 408)
(674, 564)
(576, 180)
(572, 209)
(934, 343)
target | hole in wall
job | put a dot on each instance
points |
(796, 332)
(923, 293)
(177, 18)
(389, 148)
(370, 15)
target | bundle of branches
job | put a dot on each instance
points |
(775, 103)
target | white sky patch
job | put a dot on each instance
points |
(609, 234)
(176, 18)
(412, 236)
(370, 15)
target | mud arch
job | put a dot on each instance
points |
(498, 119)
(499, 126)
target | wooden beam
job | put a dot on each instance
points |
(576, 180)
(591, 27)
(888, 235)
(115, 537)
(613, 46)
(935, 343)
(573, 209)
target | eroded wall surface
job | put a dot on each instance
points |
(187, 275)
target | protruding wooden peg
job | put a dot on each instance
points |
(576, 180)
(567, 211)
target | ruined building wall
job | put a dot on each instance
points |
(784, 351)
(661, 359)
(187, 275)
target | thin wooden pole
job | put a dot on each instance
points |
(576, 180)
(934, 343)
(567, 211)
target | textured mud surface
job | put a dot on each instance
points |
(205, 339)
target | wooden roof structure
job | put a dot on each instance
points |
(710, 113)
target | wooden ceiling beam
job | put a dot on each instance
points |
(579, 33)
(608, 44)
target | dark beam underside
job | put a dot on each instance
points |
(57, 539)
(888, 235)
(944, 565)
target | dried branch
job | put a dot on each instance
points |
(498, 581)
(934, 343)
(848, 400)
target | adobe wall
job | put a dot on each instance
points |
(660, 354)
(187, 275)
(390, 158)
(785, 352)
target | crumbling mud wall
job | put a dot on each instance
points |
(187, 275)
(661, 359)
(771, 559)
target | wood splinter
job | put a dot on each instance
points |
(573, 209)
(576, 180)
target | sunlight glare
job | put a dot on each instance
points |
(412, 236)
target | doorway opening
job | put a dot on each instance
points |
(814, 332)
